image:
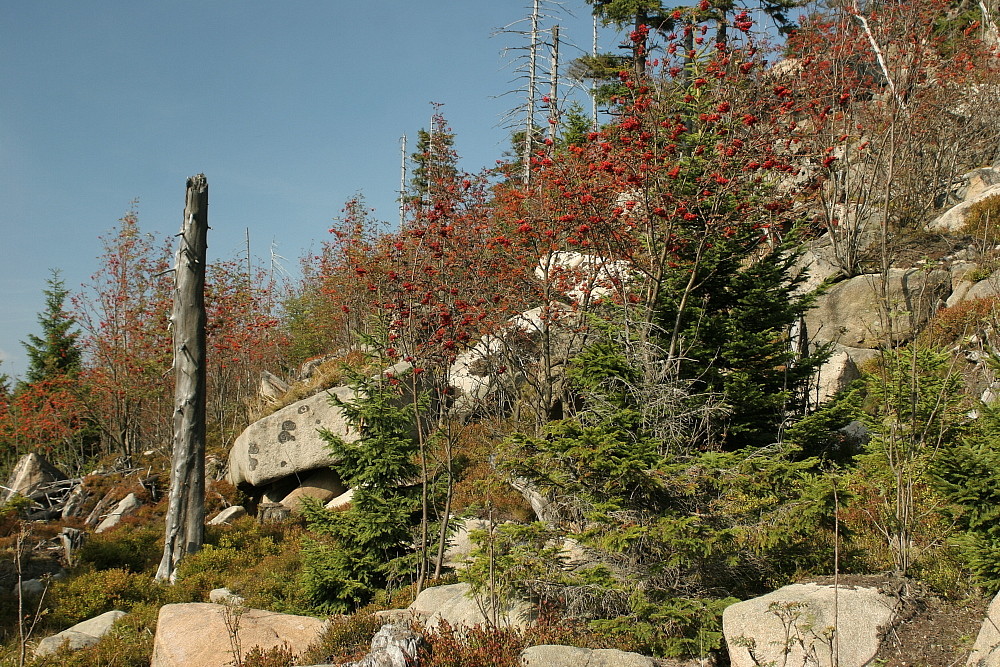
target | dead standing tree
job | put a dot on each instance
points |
(186, 509)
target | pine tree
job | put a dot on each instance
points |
(4, 384)
(732, 336)
(364, 548)
(434, 161)
(56, 352)
(968, 476)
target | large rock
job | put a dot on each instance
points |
(953, 220)
(322, 485)
(30, 588)
(196, 635)
(455, 604)
(852, 312)
(811, 620)
(127, 506)
(545, 508)
(961, 272)
(81, 635)
(838, 371)
(987, 287)
(394, 645)
(979, 180)
(986, 650)
(341, 501)
(476, 372)
(288, 442)
(581, 277)
(554, 655)
(272, 387)
(818, 264)
(460, 544)
(30, 475)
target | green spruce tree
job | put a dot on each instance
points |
(56, 351)
(435, 163)
(731, 334)
(4, 384)
(367, 547)
(968, 476)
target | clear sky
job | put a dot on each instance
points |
(289, 108)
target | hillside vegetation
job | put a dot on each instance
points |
(603, 357)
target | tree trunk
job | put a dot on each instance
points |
(186, 509)
(529, 116)
(554, 88)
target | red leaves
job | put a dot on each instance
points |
(630, 123)
(743, 22)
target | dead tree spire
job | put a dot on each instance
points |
(185, 529)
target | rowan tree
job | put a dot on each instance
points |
(684, 353)
(243, 337)
(685, 190)
(124, 316)
(442, 289)
(886, 107)
(333, 303)
(51, 418)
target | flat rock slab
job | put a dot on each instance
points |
(851, 312)
(553, 655)
(322, 485)
(127, 506)
(81, 635)
(229, 514)
(953, 220)
(454, 604)
(810, 620)
(195, 634)
(288, 441)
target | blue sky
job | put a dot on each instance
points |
(289, 108)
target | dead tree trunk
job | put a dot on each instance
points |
(554, 88)
(529, 116)
(186, 508)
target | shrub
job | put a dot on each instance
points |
(128, 644)
(95, 592)
(982, 220)
(967, 474)
(273, 582)
(347, 638)
(258, 561)
(133, 548)
(477, 647)
(952, 325)
(276, 656)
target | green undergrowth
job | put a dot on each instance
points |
(115, 570)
